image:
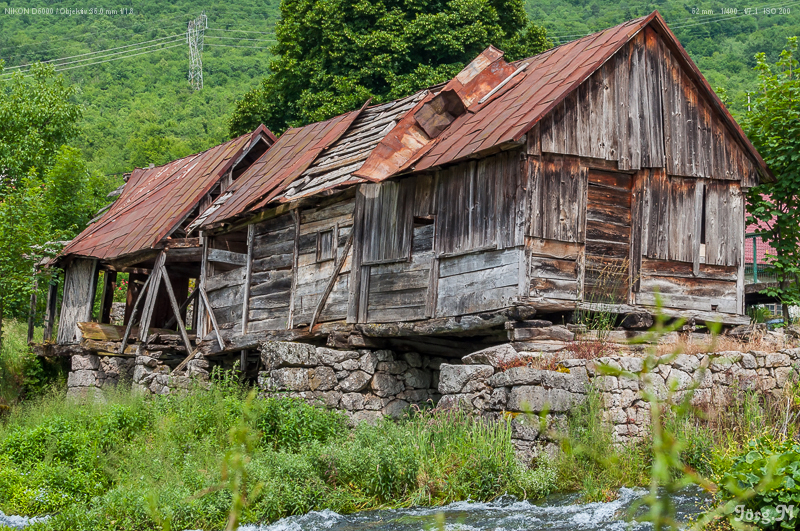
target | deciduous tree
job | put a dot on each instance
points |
(332, 55)
(773, 124)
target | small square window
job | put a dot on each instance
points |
(325, 245)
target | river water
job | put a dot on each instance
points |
(506, 514)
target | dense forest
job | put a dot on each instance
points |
(140, 110)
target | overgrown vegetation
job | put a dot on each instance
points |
(135, 462)
(22, 374)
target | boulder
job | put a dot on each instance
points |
(85, 362)
(745, 332)
(517, 376)
(418, 379)
(288, 379)
(395, 409)
(322, 379)
(555, 333)
(538, 399)
(368, 362)
(494, 356)
(353, 401)
(413, 359)
(82, 378)
(392, 367)
(329, 356)
(277, 354)
(384, 384)
(453, 378)
(357, 381)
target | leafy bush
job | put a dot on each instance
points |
(767, 475)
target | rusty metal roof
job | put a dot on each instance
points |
(155, 201)
(291, 155)
(546, 80)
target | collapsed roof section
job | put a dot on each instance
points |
(156, 202)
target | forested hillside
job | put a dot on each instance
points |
(141, 110)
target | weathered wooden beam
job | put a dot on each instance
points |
(210, 310)
(182, 243)
(176, 309)
(50, 315)
(135, 310)
(226, 257)
(332, 280)
(107, 298)
(295, 262)
(192, 296)
(466, 325)
(108, 348)
(248, 274)
(152, 296)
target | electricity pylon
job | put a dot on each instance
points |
(194, 36)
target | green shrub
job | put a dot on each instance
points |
(767, 475)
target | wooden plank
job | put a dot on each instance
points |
(636, 250)
(487, 260)
(336, 270)
(685, 269)
(294, 266)
(553, 268)
(107, 296)
(227, 257)
(204, 297)
(78, 298)
(689, 302)
(355, 266)
(272, 281)
(596, 230)
(135, 309)
(609, 249)
(176, 310)
(152, 295)
(278, 299)
(553, 248)
(225, 279)
(554, 288)
(416, 279)
(697, 287)
(50, 311)
(475, 301)
(227, 296)
(247, 277)
(172, 320)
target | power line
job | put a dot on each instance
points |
(100, 51)
(60, 64)
(25, 72)
(118, 58)
(240, 39)
(245, 47)
(243, 31)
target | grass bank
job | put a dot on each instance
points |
(136, 462)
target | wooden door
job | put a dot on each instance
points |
(608, 238)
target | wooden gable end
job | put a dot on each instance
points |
(642, 109)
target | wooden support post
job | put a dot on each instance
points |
(199, 307)
(331, 281)
(107, 299)
(134, 310)
(243, 362)
(247, 277)
(152, 295)
(295, 261)
(186, 303)
(175, 308)
(354, 285)
(207, 304)
(50, 315)
(32, 313)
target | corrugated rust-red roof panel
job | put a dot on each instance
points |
(294, 151)
(155, 201)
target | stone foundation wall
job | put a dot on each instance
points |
(481, 384)
(91, 373)
(366, 384)
(152, 375)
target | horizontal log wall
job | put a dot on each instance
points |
(271, 276)
(313, 271)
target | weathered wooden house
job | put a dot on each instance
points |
(144, 232)
(602, 174)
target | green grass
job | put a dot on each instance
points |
(143, 462)
(22, 374)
